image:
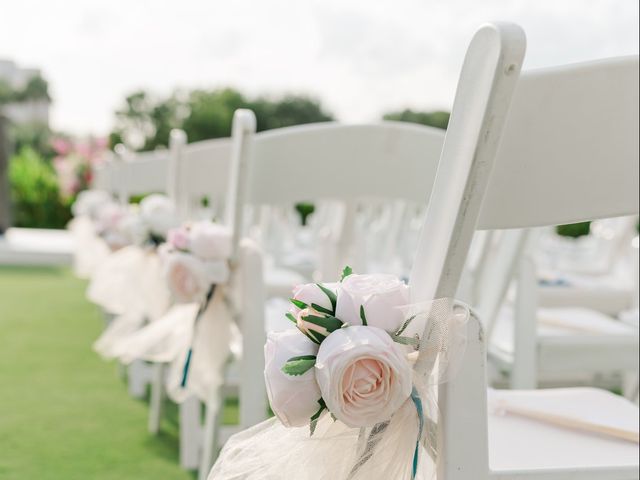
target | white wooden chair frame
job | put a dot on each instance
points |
(520, 128)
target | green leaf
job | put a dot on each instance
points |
(331, 295)
(363, 317)
(298, 303)
(316, 416)
(321, 309)
(315, 337)
(346, 272)
(290, 316)
(331, 324)
(404, 326)
(297, 366)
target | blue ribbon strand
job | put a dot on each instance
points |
(187, 362)
(185, 369)
(417, 401)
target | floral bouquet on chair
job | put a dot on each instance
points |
(196, 263)
(129, 283)
(193, 336)
(350, 385)
(195, 259)
(89, 249)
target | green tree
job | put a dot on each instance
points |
(36, 88)
(438, 119)
(211, 112)
(288, 111)
(144, 122)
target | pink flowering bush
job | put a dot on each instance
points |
(75, 161)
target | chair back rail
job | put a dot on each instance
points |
(543, 136)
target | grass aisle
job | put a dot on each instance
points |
(64, 413)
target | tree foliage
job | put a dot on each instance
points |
(36, 88)
(438, 119)
(35, 194)
(144, 122)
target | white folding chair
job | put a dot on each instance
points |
(547, 135)
(555, 346)
(592, 271)
(309, 163)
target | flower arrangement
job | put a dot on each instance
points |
(347, 356)
(146, 224)
(195, 258)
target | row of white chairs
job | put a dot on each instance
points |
(521, 151)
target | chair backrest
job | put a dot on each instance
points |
(199, 170)
(329, 161)
(549, 137)
(487, 81)
(144, 172)
(570, 149)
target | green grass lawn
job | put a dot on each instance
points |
(64, 413)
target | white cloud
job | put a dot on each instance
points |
(360, 57)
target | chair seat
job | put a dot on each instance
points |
(572, 340)
(522, 444)
(566, 325)
(609, 299)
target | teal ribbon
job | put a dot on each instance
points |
(417, 401)
(187, 362)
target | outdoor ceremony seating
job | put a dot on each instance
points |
(521, 152)
(562, 345)
(516, 141)
(547, 145)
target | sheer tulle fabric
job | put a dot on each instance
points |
(138, 295)
(115, 285)
(213, 335)
(270, 451)
(162, 340)
(89, 249)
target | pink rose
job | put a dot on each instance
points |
(178, 238)
(311, 294)
(186, 276)
(363, 375)
(311, 330)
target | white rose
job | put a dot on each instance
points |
(186, 277)
(109, 216)
(310, 293)
(381, 297)
(88, 203)
(294, 399)
(133, 227)
(159, 213)
(210, 241)
(363, 376)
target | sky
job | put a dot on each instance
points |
(359, 57)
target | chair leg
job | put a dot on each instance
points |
(138, 379)
(630, 386)
(524, 373)
(157, 397)
(190, 433)
(253, 396)
(210, 434)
